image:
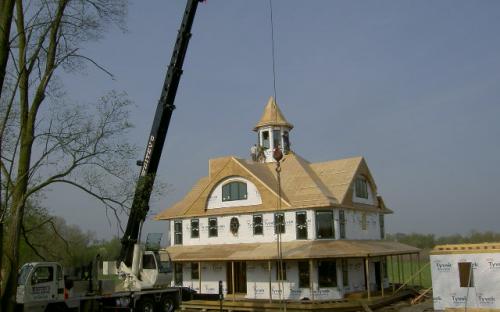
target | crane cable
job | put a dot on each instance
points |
(273, 50)
(279, 267)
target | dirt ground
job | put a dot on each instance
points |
(406, 306)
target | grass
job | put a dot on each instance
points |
(405, 266)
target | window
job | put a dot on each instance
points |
(361, 188)
(382, 225)
(195, 228)
(178, 274)
(345, 273)
(212, 227)
(301, 224)
(234, 191)
(363, 221)
(304, 275)
(286, 141)
(178, 232)
(342, 223)
(148, 262)
(465, 273)
(327, 274)
(265, 139)
(195, 270)
(279, 223)
(280, 277)
(276, 138)
(43, 274)
(258, 228)
(324, 224)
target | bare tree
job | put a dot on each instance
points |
(46, 138)
(6, 12)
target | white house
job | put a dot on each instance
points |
(466, 276)
(323, 221)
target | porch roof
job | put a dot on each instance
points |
(306, 249)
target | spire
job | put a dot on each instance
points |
(272, 116)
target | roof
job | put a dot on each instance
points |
(272, 116)
(303, 185)
(295, 250)
(466, 248)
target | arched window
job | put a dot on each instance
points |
(234, 191)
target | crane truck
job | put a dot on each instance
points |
(138, 280)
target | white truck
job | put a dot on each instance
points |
(145, 287)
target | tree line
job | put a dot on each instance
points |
(428, 241)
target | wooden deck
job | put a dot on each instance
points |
(358, 304)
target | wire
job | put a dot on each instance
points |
(273, 50)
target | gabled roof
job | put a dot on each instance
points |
(272, 116)
(303, 185)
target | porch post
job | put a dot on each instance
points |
(270, 277)
(232, 278)
(199, 277)
(399, 268)
(419, 271)
(311, 282)
(393, 275)
(382, 274)
(403, 268)
(411, 270)
(367, 279)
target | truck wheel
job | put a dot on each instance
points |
(146, 305)
(167, 304)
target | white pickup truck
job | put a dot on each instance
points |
(44, 287)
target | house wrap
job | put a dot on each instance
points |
(327, 216)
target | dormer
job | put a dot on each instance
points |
(234, 191)
(272, 132)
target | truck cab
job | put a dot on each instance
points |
(39, 283)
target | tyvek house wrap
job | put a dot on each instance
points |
(447, 292)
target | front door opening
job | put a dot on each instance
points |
(240, 277)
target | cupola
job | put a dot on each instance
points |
(272, 132)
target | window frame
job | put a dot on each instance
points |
(277, 138)
(266, 140)
(342, 224)
(331, 268)
(195, 271)
(361, 188)
(364, 221)
(178, 274)
(212, 227)
(258, 225)
(284, 271)
(319, 212)
(178, 235)
(304, 225)
(381, 222)
(464, 279)
(279, 228)
(234, 190)
(195, 229)
(304, 275)
(345, 273)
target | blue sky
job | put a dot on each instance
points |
(413, 86)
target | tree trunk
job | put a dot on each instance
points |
(16, 220)
(6, 12)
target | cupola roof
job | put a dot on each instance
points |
(272, 116)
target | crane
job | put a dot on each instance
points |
(156, 140)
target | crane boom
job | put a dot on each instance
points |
(164, 109)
